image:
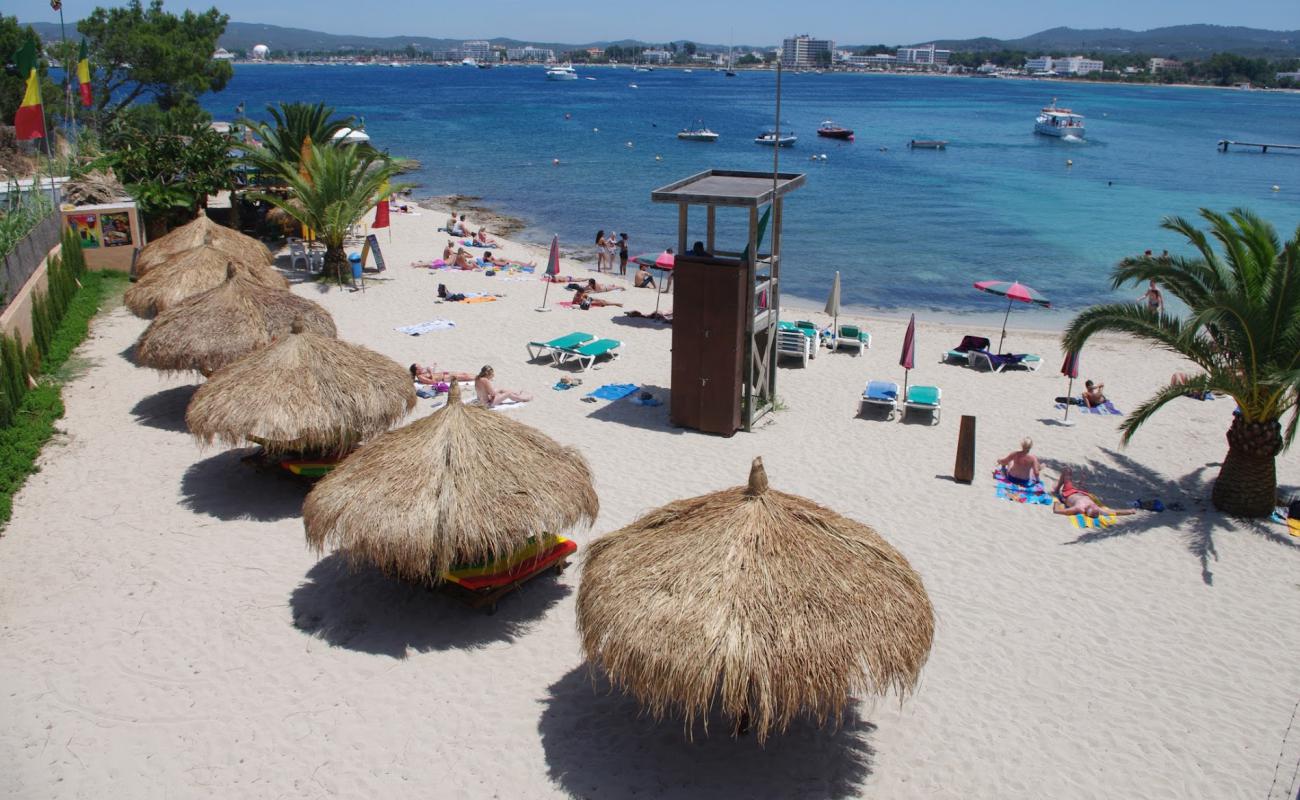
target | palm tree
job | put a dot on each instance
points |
(292, 124)
(1242, 328)
(332, 192)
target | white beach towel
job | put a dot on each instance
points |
(426, 327)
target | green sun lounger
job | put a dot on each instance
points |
(537, 350)
(587, 354)
(923, 398)
(852, 337)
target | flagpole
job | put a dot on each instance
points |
(67, 74)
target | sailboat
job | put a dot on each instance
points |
(731, 47)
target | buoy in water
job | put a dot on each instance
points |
(1277, 188)
(1069, 162)
(659, 158)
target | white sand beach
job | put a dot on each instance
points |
(165, 632)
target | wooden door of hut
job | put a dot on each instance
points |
(708, 344)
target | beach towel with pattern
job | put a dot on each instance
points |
(1035, 494)
(426, 327)
(1084, 521)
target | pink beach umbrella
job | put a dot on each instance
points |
(1070, 369)
(552, 269)
(1014, 291)
(907, 359)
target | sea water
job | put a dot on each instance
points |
(907, 229)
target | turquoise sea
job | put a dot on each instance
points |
(909, 230)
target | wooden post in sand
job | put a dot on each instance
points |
(964, 470)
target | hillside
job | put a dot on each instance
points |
(1179, 41)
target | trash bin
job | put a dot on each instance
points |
(355, 258)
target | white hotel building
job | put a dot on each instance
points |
(1074, 65)
(804, 52)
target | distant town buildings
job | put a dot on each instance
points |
(530, 54)
(477, 49)
(803, 52)
(1073, 65)
(223, 54)
(1288, 76)
(1160, 64)
(656, 57)
(926, 55)
(872, 61)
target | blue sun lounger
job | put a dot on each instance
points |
(880, 394)
(537, 350)
(587, 354)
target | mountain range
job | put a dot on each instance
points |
(1179, 41)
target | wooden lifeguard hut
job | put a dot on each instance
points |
(726, 304)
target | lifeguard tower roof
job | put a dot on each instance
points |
(722, 187)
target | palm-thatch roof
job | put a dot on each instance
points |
(305, 393)
(92, 187)
(194, 271)
(463, 484)
(219, 326)
(763, 602)
(236, 246)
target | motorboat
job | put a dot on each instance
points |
(350, 136)
(832, 131)
(776, 138)
(561, 73)
(468, 62)
(699, 133)
(1056, 121)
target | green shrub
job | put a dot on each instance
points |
(15, 372)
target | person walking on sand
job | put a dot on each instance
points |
(622, 254)
(1021, 467)
(491, 396)
(600, 250)
(1153, 298)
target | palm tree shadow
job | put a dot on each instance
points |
(598, 743)
(1122, 479)
(165, 410)
(226, 487)
(364, 610)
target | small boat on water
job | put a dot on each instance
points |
(832, 131)
(699, 133)
(562, 72)
(928, 144)
(776, 138)
(1056, 121)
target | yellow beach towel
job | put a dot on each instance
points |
(1083, 521)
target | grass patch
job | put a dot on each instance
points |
(33, 426)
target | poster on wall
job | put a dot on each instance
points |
(86, 226)
(116, 228)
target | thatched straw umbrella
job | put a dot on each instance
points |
(463, 484)
(236, 246)
(761, 601)
(192, 272)
(305, 393)
(222, 325)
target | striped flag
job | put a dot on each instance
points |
(83, 74)
(381, 208)
(29, 122)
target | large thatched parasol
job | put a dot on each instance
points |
(305, 393)
(461, 485)
(236, 246)
(193, 271)
(762, 601)
(222, 325)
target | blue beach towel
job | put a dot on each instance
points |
(1105, 409)
(614, 391)
(1035, 494)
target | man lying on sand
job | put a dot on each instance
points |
(583, 299)
(430, 374)
(1071, 500)
(592, 286)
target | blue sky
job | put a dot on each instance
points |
(753, 21)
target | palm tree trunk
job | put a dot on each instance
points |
(1247, 482)
(336, 258)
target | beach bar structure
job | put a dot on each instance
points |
(726, 304)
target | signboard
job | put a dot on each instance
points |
(372, 245)
(116, 228)
(86, 226)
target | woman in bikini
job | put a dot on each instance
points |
(600, 250)
(490, 396)
(429, 375)
(593, 287)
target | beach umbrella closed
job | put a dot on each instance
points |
(552, 269)
(197, 233)
(907, 359)
(464, 484)
(193, 271)
(759, 602)
(1070, 369)
(217, 327)
(833, 305)
(304, 393)
(1015, 292)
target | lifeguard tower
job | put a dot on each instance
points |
(726, 304)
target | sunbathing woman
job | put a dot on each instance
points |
(490, 396)
(583, 299)
(464, 260)
(504, 263)
(449, 251)
(592, 286)
(429, 375)
(482, 237)
(1071, 500)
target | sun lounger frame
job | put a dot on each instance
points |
(538, 350)
(584, 355)
(934, 408)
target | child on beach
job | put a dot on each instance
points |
(490, 396)
(1021, 468)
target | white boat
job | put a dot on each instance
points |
(561, 73)
(350, 136)
(1056, 121)
(699, 133)
(642, 69)
(776, 139)
(468, 62)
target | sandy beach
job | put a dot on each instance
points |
(165, 632)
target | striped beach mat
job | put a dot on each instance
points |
(1082, 521)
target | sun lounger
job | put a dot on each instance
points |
(851, 337)
(961, 353)
(793, 343)
(537, 350)
(880, 394)
(923, 398)
(587, 354)
(996, 362)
